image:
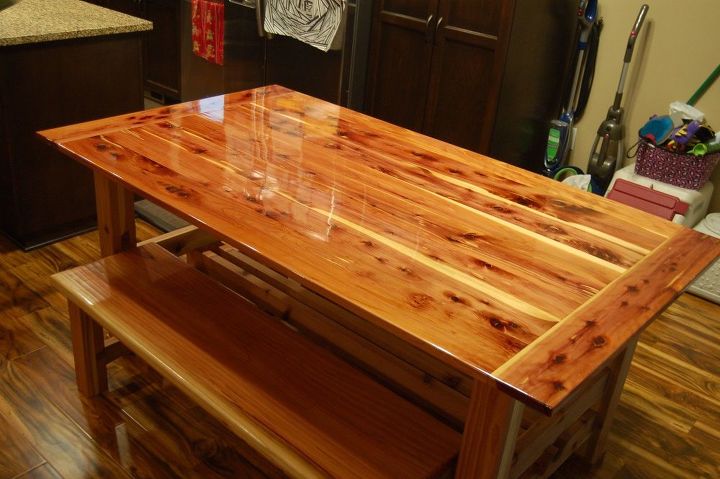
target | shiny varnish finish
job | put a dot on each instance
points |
(665, 426)
(504, 275)
(311, 413)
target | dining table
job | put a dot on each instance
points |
(530, 288)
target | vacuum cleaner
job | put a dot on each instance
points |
(558, 142)
(607, 151)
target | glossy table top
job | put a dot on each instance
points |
(496, 271)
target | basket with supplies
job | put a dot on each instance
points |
(679, 148)
(685, 170)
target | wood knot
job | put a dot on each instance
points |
(632, 289)
(501, 209)
(419, 300)
(177, 191)
(559, 358)
(496, 322)
(558, 385)
(599, 341)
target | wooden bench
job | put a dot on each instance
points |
(303, 408)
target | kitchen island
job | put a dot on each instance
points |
(61, 61)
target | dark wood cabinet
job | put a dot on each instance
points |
(400, 60)
(304, 68)
(44, 195)
(441, 67)
(162, 47)
(435, 65)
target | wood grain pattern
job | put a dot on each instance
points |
(490, 433)
(665, 427)
(473, 261)
(17, 455)
(584, 341)
(171, 447)
(115, 215)
(309, 412)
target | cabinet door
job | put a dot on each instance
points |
(130, 7)
(162, 47)
(400, 55)
(470, 40)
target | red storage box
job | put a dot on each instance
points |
(685, 171)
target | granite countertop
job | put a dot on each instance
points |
(33, 21)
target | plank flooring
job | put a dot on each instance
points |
(668, 424)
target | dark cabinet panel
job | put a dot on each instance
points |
(466, 66)
(408, 8)
(485, 16)
(162, 47)
(400, 61)
(301, 67)
(46, 195)
(461, 88)
(130, 7)
(440, 66)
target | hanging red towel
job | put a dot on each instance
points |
(208, 30)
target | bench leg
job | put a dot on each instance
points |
(88, 346)
(597, 442)
(491, 429)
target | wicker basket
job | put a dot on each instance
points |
(685, 171)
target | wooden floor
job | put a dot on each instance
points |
(668, 424)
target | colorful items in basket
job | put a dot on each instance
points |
(675, 134)
(679, 149)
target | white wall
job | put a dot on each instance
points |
(678, 47)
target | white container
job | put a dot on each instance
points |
(697, 200)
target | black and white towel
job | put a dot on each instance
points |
(315, 22)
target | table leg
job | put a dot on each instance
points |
(491, 429)
(88, 345)
(597, 442)
(115, 215)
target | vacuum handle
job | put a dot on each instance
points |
(635, 31)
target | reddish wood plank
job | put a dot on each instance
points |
(290, 399)
(548, 370)
(526, 189)
(372, 217)
(208, 105)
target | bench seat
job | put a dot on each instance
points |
(309, 412)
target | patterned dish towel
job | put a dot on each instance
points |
(315, 22)
(208, 30)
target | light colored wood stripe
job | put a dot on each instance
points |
(312, 111)
(485, 193)
(561, 359)
(498, 294)
(598, 233)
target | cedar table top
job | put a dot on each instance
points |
(496, 271)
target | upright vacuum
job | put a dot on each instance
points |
(607, 150)
(558, 143)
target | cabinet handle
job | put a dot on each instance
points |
(437, 25)
(428, 31)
